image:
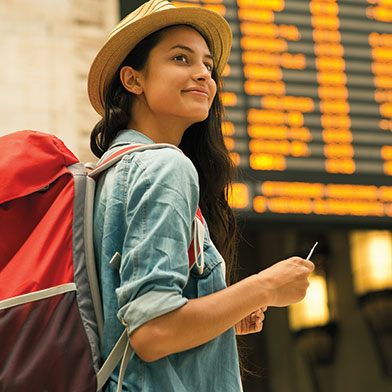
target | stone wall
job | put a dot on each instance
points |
(46, 49)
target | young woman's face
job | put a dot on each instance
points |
(176, 81)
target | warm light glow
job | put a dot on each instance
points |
(383, 14)
(387, 166)
(341, 135)
(292, 189)
(386, 152)
(301, 133)
(267, 162)
(258, 72)
(303, 104)
(313, 310)
(263, 29)
(383, 81)
(326, 199)
(320, 35)
(346, 191)
(280, 147)
(235, 157)
(238, 195)
(229, 143)
(275, 5)
(220, 9)
(229, 98)
(381, 68)
(324, 8)
(382, 53)
(335, 121)
(259, 204)
(325, 22)
(269, 44)
(334, 106)
(333, 92)
(328, 49)
(228, 128)
(253, 87)
(324, 63)
(331, 78)
(386, 109)
(226, 70)
(284, 205)
(338, 150)
(266, 116)
(371, 260)
(268, 131)
(293, 61)
(377, 39)
(382, 95)
(266, 16)
(340, 165)
(289, 32)
(386, 193)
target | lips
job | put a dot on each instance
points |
(198, 91)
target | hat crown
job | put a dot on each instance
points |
(145, 9)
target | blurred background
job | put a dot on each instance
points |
(308, 98)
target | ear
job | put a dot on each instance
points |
(130, 80)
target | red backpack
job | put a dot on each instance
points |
(50, 306)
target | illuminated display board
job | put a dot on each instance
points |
(308, 98)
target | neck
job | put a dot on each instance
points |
(159, 128)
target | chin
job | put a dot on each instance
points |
(203, 116)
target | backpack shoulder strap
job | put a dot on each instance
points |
(116, 156)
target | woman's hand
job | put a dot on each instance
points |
(287, 281)
(252, 323)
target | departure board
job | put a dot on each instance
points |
(308, 100)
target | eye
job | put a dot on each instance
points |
(209, 66)
(180, 57)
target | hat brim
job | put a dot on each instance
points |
(210, 25)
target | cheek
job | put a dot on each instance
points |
(212, 88)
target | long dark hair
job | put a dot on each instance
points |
(202, 142)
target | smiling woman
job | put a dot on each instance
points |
(175, 89)
(157, 80)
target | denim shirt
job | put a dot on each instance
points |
(144, 208)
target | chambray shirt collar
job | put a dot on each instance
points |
(127, 136)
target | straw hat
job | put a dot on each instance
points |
(148, 18)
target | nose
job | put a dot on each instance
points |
(201, 73)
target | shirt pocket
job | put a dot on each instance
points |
(212, 279)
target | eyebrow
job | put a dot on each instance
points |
(188, 49)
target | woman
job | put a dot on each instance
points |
(156, 80)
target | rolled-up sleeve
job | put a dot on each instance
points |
(160, 196)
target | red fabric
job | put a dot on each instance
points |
(191, 250)
(29, 160)
(35, 229)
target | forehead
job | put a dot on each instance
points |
(183, 35)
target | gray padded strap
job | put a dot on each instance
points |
(124, 364)
(120, 350)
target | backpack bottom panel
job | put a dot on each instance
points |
(44, 347)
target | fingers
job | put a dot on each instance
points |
(252, 323)
(256, 320)
(310, 265)
(289, 280)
